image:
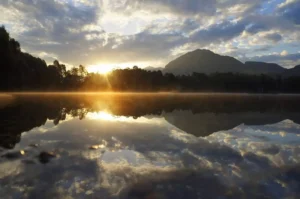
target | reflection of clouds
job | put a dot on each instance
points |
(182, 136)
(286, 124)
(8, 170)
(158, 159)
(119, 177)
(279, 143)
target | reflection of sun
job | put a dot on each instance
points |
(106, 116)
(102, 115)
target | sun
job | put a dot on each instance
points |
(101, 68)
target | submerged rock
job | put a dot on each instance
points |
(141, 190)
(14, 155)
(28, 162)
(45, 157)
(34, 145)
(94, 147)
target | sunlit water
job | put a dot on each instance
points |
(150, 147)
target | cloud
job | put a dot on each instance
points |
(284, 53)
(53, 26)
(275, 37)
(149, 31)
(207, 7)
(290, 10)
(218, 33)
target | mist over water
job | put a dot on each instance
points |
(163, 145)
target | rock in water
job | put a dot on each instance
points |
(28, 162)
(34, 145)
(94, 147)
(45, 157)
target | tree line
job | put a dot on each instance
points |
(23, 72)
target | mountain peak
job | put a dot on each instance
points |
(203, 61)
(203, 51)
(206, 61)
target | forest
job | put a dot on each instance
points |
(21, 71)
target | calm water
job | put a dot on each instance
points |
(149, 146)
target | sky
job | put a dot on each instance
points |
(104, 34)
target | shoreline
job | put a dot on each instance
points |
(6, 94)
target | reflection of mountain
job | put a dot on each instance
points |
(200, 115)
(204, 124)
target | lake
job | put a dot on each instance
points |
(149, 146)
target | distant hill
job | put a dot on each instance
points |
(150, 68)
(252, 67)
(292, 72)
(206, 61)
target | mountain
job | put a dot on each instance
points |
(292, 72)
(203, 61)
(206, 61)
(252, 67)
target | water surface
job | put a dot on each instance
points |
(150, 146)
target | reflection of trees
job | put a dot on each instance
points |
(28, 112)
(80, 113)
(21, 117)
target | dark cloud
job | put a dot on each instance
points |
(55, 27)
(264, 48)
(275, 37)
(254, 28)
(260, 23)
(250, 5)
(142, 46)
(291, 11)
(189, 7)
(207, 7)
(55, 20)
(219, 32)
(189, 25)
